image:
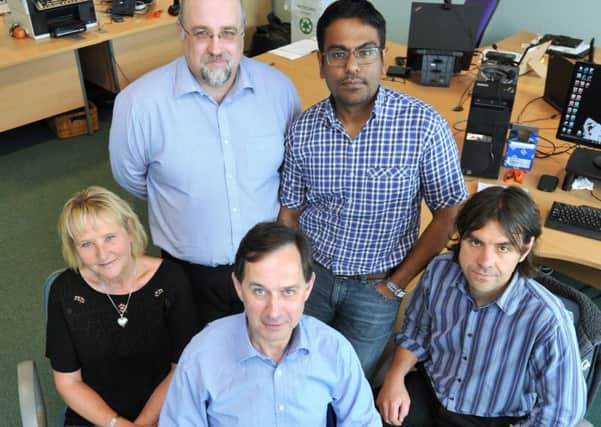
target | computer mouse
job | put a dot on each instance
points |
(597, 161)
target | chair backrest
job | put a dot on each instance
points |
(587, 322)
(487, 8)
(47, 285)
(31, 401)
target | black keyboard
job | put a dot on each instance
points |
(582, 220)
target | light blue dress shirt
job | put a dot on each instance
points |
(209, 171)
(222, 381)
(513, 357)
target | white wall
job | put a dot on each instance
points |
(575, 18)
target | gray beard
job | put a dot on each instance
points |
(216, 78)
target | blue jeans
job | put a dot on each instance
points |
(357, 310)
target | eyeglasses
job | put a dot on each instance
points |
(204, 35)
(363, 56)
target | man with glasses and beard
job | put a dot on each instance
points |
(201, 139)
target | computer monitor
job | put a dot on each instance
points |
(581, 115)
(559, 73)
(442, 27)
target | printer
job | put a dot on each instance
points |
(56, 18)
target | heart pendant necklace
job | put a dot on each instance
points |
(122, 320)
(122, 308)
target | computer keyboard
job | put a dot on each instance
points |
(582, 220)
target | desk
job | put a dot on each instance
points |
(554, 248)
(46, 77)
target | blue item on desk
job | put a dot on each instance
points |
(521, 147)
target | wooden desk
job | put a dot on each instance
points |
(554, 247)
(42, 78)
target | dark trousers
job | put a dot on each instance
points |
(213, 289)
(425, 409)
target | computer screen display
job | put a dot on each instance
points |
(442, 27)
(581, 115)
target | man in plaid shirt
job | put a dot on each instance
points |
(356, 168)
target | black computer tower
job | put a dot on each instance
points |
(488, 120)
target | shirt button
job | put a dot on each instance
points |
(235, 210)
(458, 380)
(278, 373)
(281, 408)
(464, 358)
(226, 141)
(469, 335)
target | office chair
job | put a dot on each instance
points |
(587, 322)
(487, 8)
(31, 400)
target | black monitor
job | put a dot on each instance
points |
(443, 27)
(581, 116)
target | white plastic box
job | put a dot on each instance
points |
(303, 17)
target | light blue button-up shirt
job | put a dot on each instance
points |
(222, 381)
(209, 171)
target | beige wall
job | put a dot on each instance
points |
(256, 14)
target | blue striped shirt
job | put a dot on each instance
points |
(515, 356)
(361, 197)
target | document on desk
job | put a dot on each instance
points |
(574, 52)
(297, 49)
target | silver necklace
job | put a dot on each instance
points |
(122, 320)
(122, 308)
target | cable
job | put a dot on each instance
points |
(458, 129)
(526, 106)
(459, 106)
(122, 73)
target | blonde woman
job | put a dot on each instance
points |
(118, 319)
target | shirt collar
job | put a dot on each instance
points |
(508, 301)
(185, 82)
(330, 113)
(299, 343)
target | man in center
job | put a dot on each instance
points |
(356, 168)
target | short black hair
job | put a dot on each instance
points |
(267, 237)
(348, 9)
(512, 208)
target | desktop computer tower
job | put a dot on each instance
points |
(488, 120)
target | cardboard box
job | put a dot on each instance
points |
(521, 147)
(73, 123)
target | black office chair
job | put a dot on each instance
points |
(487, 9)
(587, 322)
(31, 400)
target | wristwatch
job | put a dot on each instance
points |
(392, 287)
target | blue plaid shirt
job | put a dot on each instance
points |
(515, 356)
(361, 197)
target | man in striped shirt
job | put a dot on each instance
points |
(495, 347)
